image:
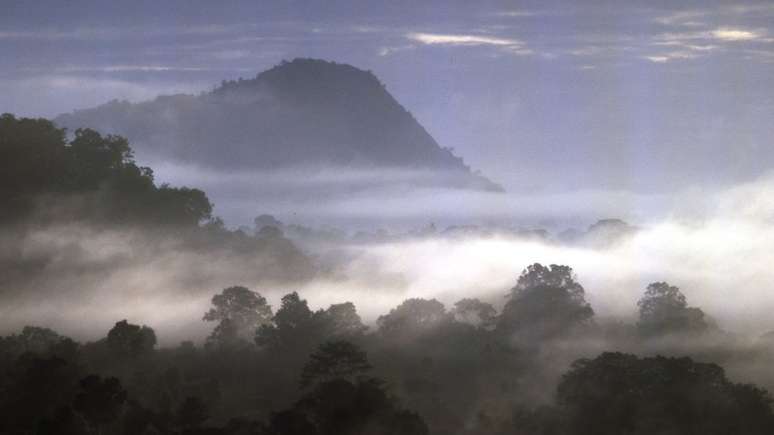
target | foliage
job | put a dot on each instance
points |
(332, 360)
(546, 302)
(413, 316)
(91, 177)
(128, 340)
(664, 310)
(239, 312)
(618, 393)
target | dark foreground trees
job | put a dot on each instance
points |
(617, 393)
(343, 401)
(424, 369)
(90, 177)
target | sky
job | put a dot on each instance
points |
(543, 97)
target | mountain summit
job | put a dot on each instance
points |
(301, 113)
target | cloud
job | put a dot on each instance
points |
(451, 39)
(57, 92)
(735, 34)
(674, 55)
(720, 34)
(119, 68)
(515, 14)
(682, 18)
(507, 45)
(97, 32)
(692, 45)
(387, 51)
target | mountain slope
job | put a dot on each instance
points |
(301, 113)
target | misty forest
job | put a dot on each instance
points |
(314, 219)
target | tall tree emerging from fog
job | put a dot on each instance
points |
(545, 303)
(664, 310)
(239, 312)
(129, 340)
(413, 316)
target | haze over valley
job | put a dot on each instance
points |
(319, 218)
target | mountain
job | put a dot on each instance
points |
(301, 113)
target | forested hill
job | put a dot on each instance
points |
(299, 113)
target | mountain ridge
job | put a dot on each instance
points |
(300, 112)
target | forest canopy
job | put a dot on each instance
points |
(88, 176)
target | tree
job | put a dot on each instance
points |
(545, 303)
(99, 401)
(129, 340)
(239, 312)
(332, 360)
(192, 413)
(266, 220)
(342, 407)
(618, 393)
(342, 320)
(32, 389)
(343, 402)
(293, 325)
(475, 312)
(36, 161)
(664, 310)
(413, 316)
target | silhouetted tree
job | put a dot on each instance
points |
(332, 360)
(36, 161)
(664, 310)
(341, 407)
(413, 316)
(192, 413)
(545, 303)
(294, 325)
(266, 220)
(617, 393)
(129, 340)
(32, 390)
(475, 312)
(342, 321)
(100, 401)
(239, 312)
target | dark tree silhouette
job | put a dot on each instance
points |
(474, 312)
(33, 389)
(545, 303)
(192, 413)
(618, 393)
(294, 326)
(664, 310)
(100, 401)
(333, 360)
(129, 340)
(342, 320)
(239, 312)
(36, 161)
(413, 316)
(340, 406)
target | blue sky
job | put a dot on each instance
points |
(542, 96)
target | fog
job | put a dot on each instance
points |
(369, 197)
(715, 246)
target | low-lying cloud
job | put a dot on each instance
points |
(719, 254)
